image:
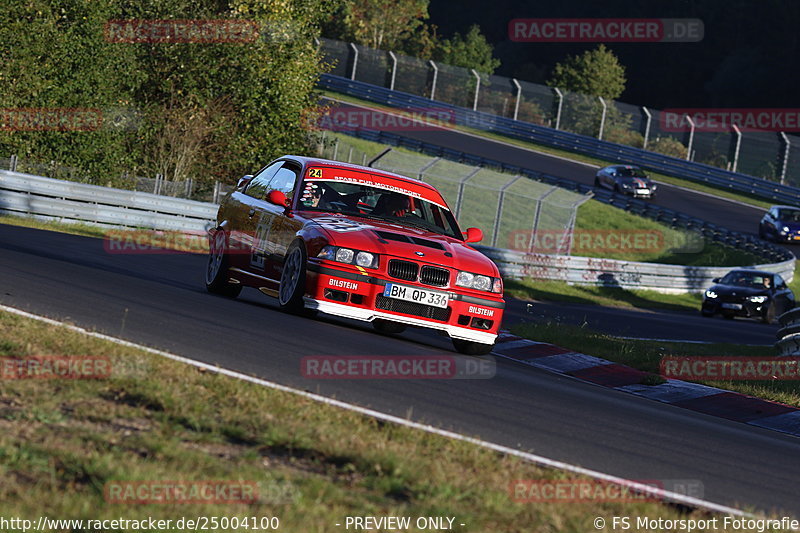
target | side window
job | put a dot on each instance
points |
(258, 185)
(284, 181)
(779, 283)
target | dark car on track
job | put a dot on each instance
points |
(359, 243)
(748, 293)
(626, 179)
(780, 223)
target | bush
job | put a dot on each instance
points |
(668, 146)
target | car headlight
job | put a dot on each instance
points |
(349, 256)
(626, 185)
(476, 281)
(786, 229)
(365, 259)
(711, 294)
(758, 299)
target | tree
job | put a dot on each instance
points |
(471, 50)
(382, 24)
(595, 73)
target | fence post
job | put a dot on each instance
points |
(646, 127)
(519, 97)
(461, 186)
(535, 225)
(12, 166)
(785, 162)
(355, 61)
(738, 146)
(477, 89)
(426, 166)
(691, 138)
(435, 76)
(394, 70)
(335, 149)
(157, 185)
(499, 214)
(602, 118)
(560, 104)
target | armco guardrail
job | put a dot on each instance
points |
(571, 142)
(614, 273)
(751, 243)
(50, 198)
(789, 334)
(67, 200)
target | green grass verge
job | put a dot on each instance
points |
(558, 291)
(688, 184)
(646, 356)
(77, 228)
(157, 420)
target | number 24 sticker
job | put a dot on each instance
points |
(314, 172)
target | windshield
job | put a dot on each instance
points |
(747, 279)
(377, 203)
(789, 215)
(631, 172)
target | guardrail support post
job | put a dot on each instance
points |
(738, 146)
(394, 70)
(335, 149)
(435, 76)
(691, 138)
(519, 97)
(477, 89)
(355, 61)
(785, 159)
(602, 117)
(12, 165)
(560, 105)
(646, 127)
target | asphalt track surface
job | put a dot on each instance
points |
(160, 301)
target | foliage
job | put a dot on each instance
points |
(209, 110)
(595, 73)
(471, 50)
(668, 146)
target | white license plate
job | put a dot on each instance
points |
(415, 294)
(731, 306)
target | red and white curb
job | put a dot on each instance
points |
(701, 398)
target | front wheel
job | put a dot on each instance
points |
(472, 348)
(293, 279)
(596, 181)
(217, 268)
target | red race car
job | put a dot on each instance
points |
(356, 242)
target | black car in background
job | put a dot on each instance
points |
(780, 223)
(748, 293)
(626, 179)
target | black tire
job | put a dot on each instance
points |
(597, 182)
(472, 348)
(388, 327)
(217, 267)
(728, 315)
(706, 314)
(293, 279)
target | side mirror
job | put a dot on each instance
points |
(277, 198)
(243, 181)
(715, 280)
(473, 235)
